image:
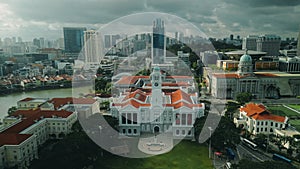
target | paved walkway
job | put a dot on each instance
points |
(160, 144)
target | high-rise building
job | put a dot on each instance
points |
(73, 39)
(158, 42)
(249, 42)
(298, 45)
(92, 47)
(107, 41)
(269, 44)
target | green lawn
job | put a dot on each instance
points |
(282, 111)
(187, 155)
(295, 123)
(295, 106)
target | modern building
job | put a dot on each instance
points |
(158, 51)
(249, 42)
(74, 40)
(93, 48)
(157, 106)
(257, 119)
(298, 45)
(269, 44)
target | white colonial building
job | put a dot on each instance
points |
(26, 129)
(158, 107)
(259, 84)
(257, 119)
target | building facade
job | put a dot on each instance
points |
(158, 107)
(158, 42)
(257, 119)
(269, 44)
(259, 84)
(74, 40)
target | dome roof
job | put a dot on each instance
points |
(246, 58)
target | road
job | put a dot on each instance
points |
(247, 153)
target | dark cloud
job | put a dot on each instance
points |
(215, 16)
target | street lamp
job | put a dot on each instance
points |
(100, 128)
(209, 148)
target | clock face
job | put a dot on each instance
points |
(155, 84)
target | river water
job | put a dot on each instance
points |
(11, 100)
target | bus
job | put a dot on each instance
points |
(278, 157)
(249, 143)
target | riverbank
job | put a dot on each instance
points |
(9, 100)
(7, 91)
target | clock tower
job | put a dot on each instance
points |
(156, 81)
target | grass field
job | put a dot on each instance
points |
(282, 111)
(187, 155)
(295, 106)
(295, 123)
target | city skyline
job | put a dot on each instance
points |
(215, 18)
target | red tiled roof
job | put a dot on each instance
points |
(266, 75)
(180, 95)
(226, 75)
(259, 112)
(127, 80)
(173, 84)
(58, 102)
(30, 117)
(138, 94)
(179, 77)
(26, 99)
(13, 139)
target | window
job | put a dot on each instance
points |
(124, 131)
(123, 118)
(266, 123)
(134, 118)
(183, 120)
(183, 132)
(258, 123)
(257, 130)
(189, 119)
(177, 132)
(134, 131)
(189, 133)
(177, 118)
(129, 131)
(129, 118)
(266, 129)
(276, 125)
(271, 123)
(280, 125)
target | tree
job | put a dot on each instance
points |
(243, 98)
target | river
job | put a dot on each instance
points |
(11, 100)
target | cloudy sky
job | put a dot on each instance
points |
(215, 18)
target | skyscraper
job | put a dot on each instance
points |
(73, 38)
(92, 47)
(298, 45)
(158, 52)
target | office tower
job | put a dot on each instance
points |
(107, 41)
(92, 47)
(298, 45)
(158, 42)
(73, 39)
(269, 43)
(249, 42)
